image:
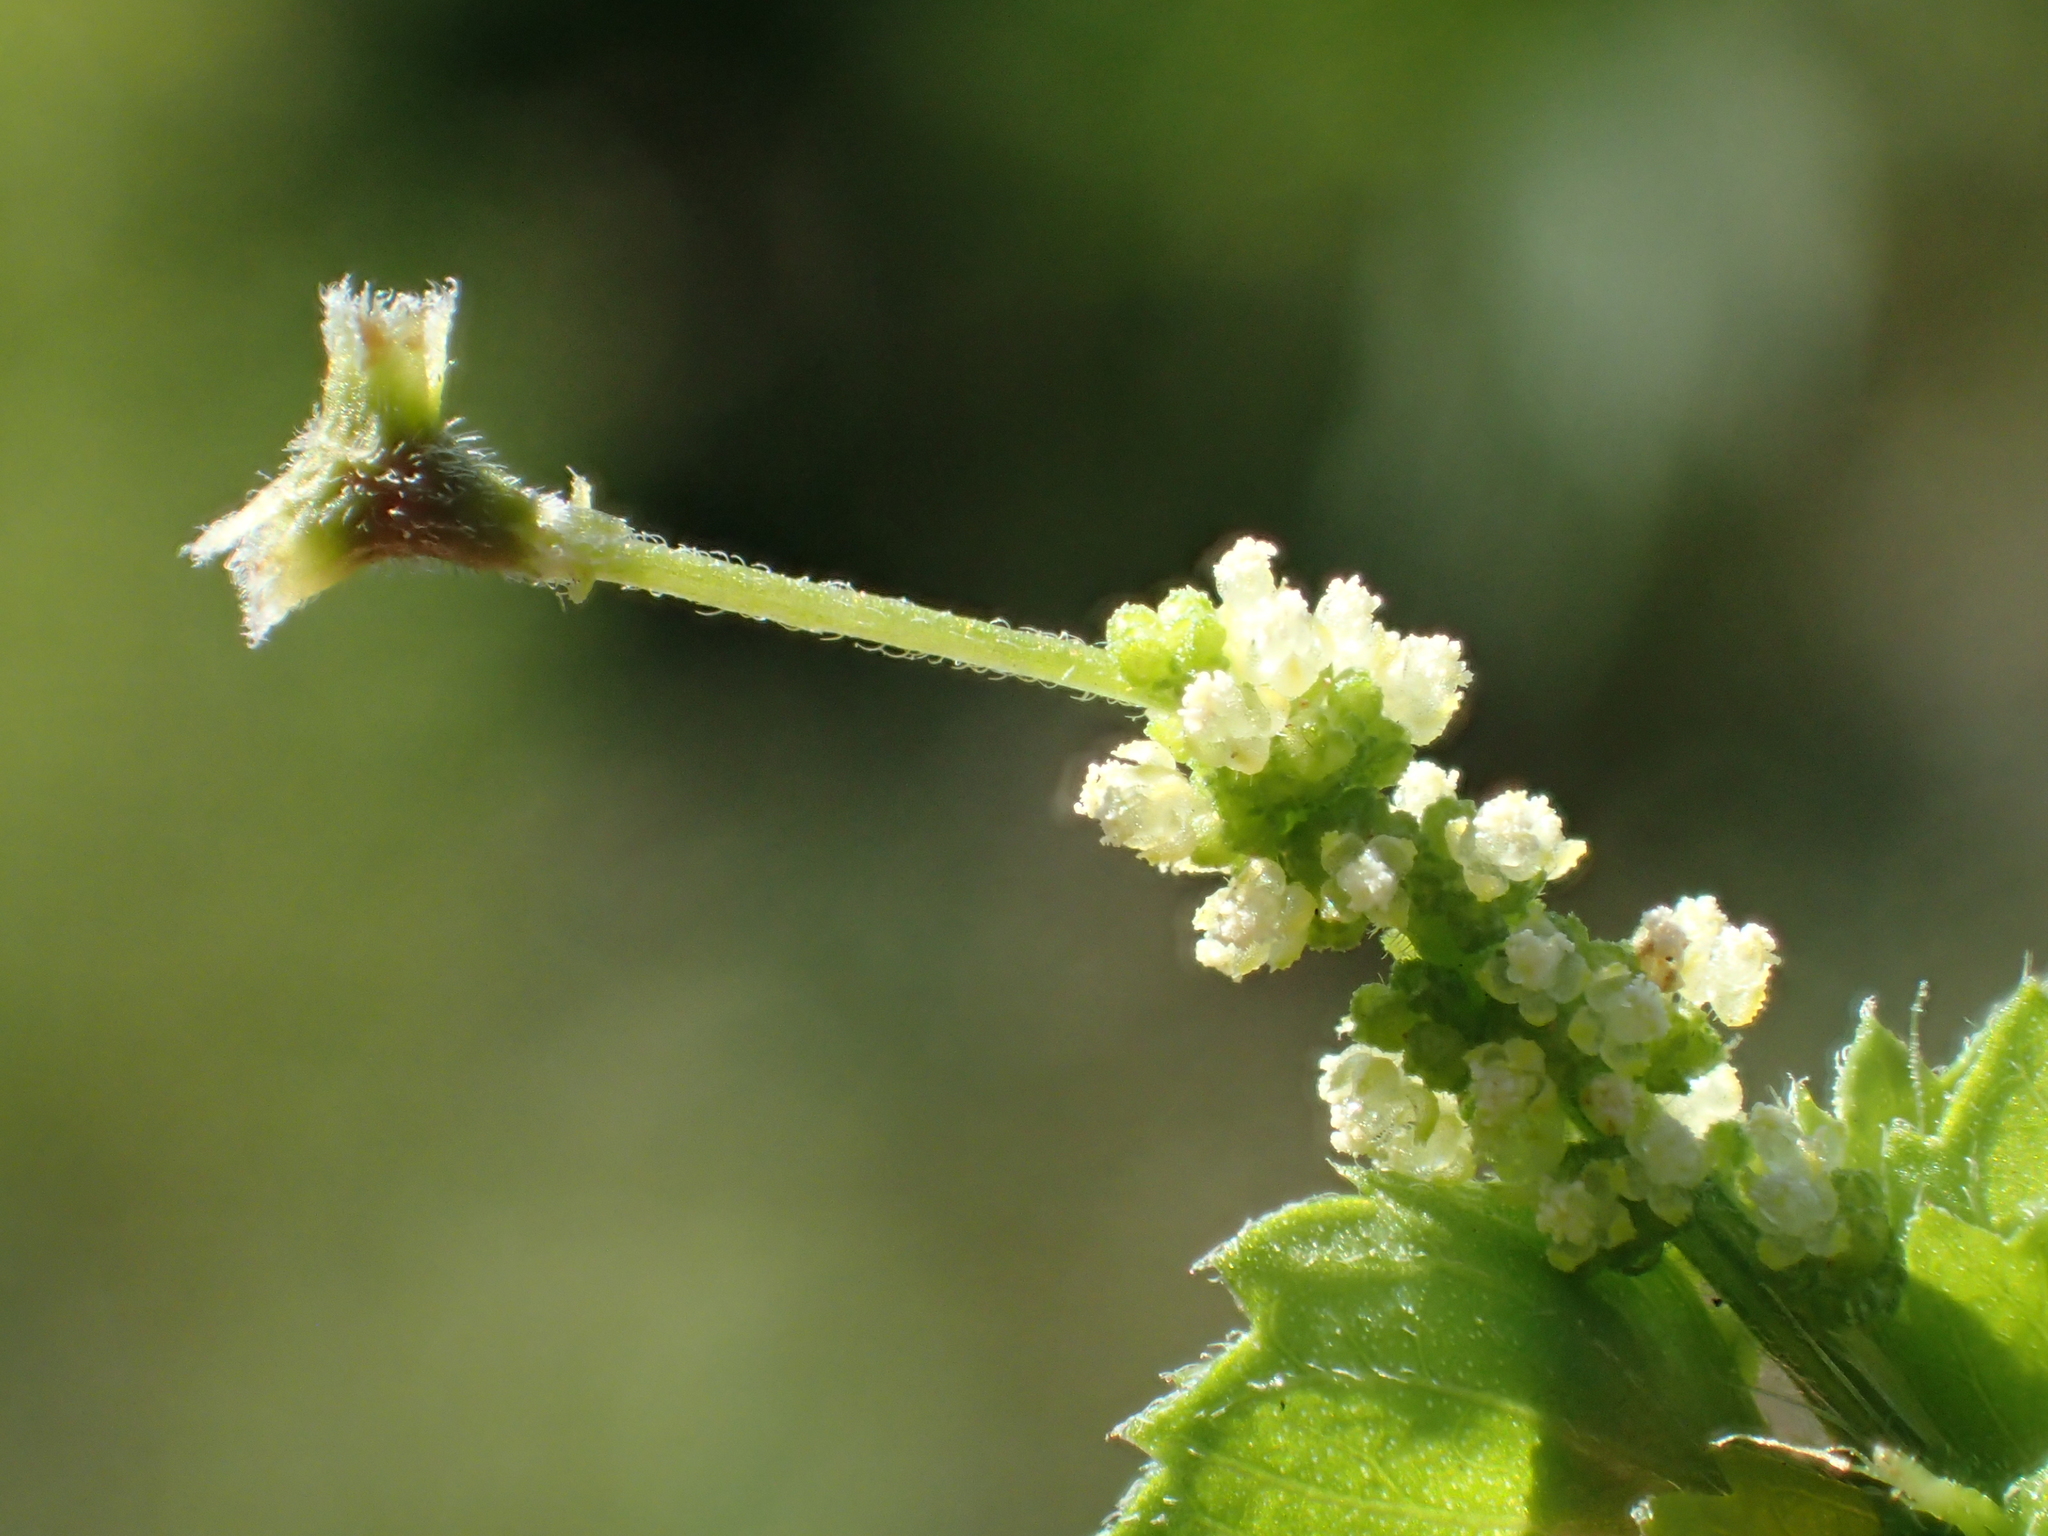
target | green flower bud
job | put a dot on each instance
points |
(1159, 650)
(1381, 1017)
(1138, 639)
(1194, 631)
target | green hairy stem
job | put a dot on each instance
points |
(1572, 1234)
(829, 608)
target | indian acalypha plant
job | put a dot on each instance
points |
(1577, 1236)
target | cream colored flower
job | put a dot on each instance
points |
(1586, 1214)
(1518, 1127)
(1365, 877)
(1691, 948)
(1380, 1113)
(1225, 724)
(1537, 969)
(1258, 919)
(1421, 785)
(1623, 1016)
(1145, 803)
(1512, 838)
(1793, 1195)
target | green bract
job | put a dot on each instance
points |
(379, 473)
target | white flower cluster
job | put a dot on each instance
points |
(1667, 1160)
(1381, 1114)
(1691, 948)
(1277, 649)
(1556, 1107)
(1794, 1196)
(1259, 918)
(1514, 837)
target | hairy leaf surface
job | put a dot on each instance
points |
(1971, 1338)
(1873, 1087)
(1987, 1161)
(1415, 1366)
(1969, 1341)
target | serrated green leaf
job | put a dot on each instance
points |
(1777, 1490)
(1873, 1087)
(1414, 1366)
(1971, 1340)
(1987, 1161)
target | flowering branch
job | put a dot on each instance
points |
(1532, 1114)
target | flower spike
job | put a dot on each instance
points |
(1507, 1044)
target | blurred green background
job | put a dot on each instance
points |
(475, 1066)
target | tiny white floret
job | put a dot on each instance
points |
(1691, 948)
(1738, 975)
(1244, 572)
(1668, 1151)
(1612, 1102)
(1538, 968)
(1519, 1129)
(1365, 877)
(1586, 1214)
(1422, 683)
(1714, 1097)
(1258, 919)
(1624, 1015)
(1422, 784)
(1272, 641)
(1507, 1076)
(1357, 641)
(1274, 644)
(1145, 803)
(1794, 1196)
(1225, 724)
(1513, 837)
(1381, 1113)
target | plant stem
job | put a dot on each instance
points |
(829, 608)
(1840, 1371)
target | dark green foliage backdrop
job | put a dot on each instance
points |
(474, 1067)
